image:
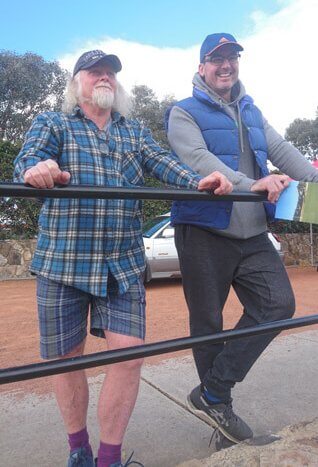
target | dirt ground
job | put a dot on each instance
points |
(166, 319)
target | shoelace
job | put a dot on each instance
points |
(214, 433)
(130, 462)
(127, 463)
(229, 413)
(217, 434)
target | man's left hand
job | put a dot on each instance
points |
(216, 182)
(274, 184)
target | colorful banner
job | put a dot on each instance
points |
(299, 202)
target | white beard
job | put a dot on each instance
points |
(103, 97)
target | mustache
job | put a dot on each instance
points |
(105, 86)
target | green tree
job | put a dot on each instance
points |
(18, 217)
(303, 134)
(150, 112)
(28, 85)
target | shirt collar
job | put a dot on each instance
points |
(116, 116)
(77, 111)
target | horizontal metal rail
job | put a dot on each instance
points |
(19, 190)
(38, 370)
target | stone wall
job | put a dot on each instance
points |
(297, 249)
(15, 255)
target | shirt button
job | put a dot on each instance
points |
(103, 147)
(102, 134)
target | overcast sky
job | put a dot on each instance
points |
(158, 43)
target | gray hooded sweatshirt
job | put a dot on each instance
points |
(248, 219)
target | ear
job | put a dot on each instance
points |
(201, 70)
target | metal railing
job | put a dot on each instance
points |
(19, 190)
(38, 370)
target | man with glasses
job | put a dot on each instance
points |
(224, 244)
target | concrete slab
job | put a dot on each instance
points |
(160, 432)
(280, 390)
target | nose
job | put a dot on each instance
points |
(226, 62)
(104, 76)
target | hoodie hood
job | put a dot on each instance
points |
(238, 91)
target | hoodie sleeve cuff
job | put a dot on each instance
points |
(244, 184)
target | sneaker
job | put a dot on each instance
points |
(80, 458)
(221, 442)
(126, 464)
(219, 416)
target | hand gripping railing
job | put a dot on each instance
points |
(37, 370)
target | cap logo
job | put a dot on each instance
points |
(93, 54)
(223, 39)
(93, 57)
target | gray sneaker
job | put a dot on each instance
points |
(219, 416)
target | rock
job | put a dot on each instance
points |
(297, 446)
(14, 257)
(3, 260)
(27, 255)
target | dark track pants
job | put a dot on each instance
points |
(210, 264)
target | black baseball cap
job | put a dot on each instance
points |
(88, 59)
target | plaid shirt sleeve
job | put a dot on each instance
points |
(81, 241)
(41, 143)
(162, 165)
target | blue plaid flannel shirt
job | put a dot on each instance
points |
(81, 240)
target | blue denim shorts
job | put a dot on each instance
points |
(63, 313)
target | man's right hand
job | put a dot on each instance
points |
(273, 184)
(46, 174)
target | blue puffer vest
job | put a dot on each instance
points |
(221, 136)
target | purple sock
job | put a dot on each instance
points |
(108, 454)
(79, 440)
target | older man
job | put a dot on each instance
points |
(223, 244)
(90, 253)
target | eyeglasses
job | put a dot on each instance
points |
(219, 59)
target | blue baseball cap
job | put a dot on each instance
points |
(88, 59)
(215, 41)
